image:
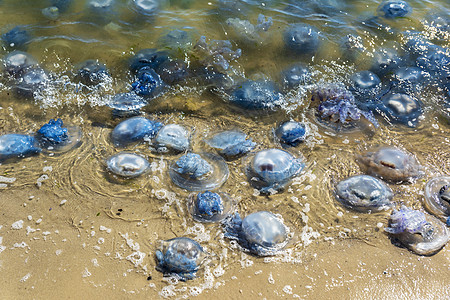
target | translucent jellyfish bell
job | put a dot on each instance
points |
(261, 233)
(180, 257)
(291, 133)
(437, 197)
(419, 232)
(210, 207)
(391, 164)
(172, 137)
(133, 130)
(127, 165)
(272, 169)
(55, 137)
(17, 146)
(231, 143)
(199, 172)
(126, 104)
(364, 193)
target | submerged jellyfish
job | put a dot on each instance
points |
(249, 32)
(210, 207)
(151, 58)
(291, 133)
(53, 136)
(147, 7)
(30, 81)
(301, 39)
(261, 233)
(421, 233)
(352, 47)
(435, 61)
(133, 130)
(17, 146)
(399, 108)
(272, 169)
(394, 9)
(256, 95)
(385, 61)
(180, 257)
(437, 197)
(231, 144)
(337, 107)
(91, 72)
(408, 79)
(391, 164)
(364, 193)
(295, 75)
(16, 37)
(195, 172)
(172, 137)
(216, 53)
(126, 104)
(127, 165)
(148, 83)
(17, 61)
(173, 71)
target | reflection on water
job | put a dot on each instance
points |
(214, 66)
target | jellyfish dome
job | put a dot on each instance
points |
(210, 207)
(18, 146)
(56, 138)
(128, 165)
(437, 197)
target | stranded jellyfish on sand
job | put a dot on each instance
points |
(56, 138)
(210, 207)
(133, 130)
(17, 146)
(180, 257)
(199, 172)
(391, 164)
(172, 137)
(291, 133)
(271, 169)
(231, 144)
(419, 232)
(261, 233)
(127, 165)
(437, 197)
(364, 193)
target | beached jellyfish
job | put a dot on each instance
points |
(176, 40)
(301, 39)
(127, 165)
(173, 71)
(133, 130)
(337, 107)
(180, 257)
(56, 138)
(210, 207)
(231, 143)
(91, 72)
(172, 137)
(364, 193)
(399, 108)
(271, 169)
(291, 133)
(17, 146)
(126, 104)
(261, 233)
(419, 232)
(151, 58)
(17, 37)
(385, 61)
(260, 94)
(216, 53)
(437, 197)
(30, 81)
(195, 172)
(148, 83)
(295, 75)
(391, 164)
(394, 9)
(17, 61)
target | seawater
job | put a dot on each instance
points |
(76, 222)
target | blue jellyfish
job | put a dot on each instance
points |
(16, 62)
(392, 9)
(128, 165)
(151, 58)
(291, 133)
(30, 81)
(210, 207)
(399, 108)
(256, 95)
(133, 130)
(91, 72)
(17, 146)
(172, 137)
(53, 136)
(180, 257)
(231, 144)
(148, 83)
(301, 39)
(16, 38)
(385, 61)
(173, 71)
(126, 104)
(295, 75)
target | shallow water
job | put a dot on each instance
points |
(86, 232)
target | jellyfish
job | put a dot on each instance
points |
(17, 37)
(301, 39)
(364, 193)
(231, 144)
(148, 83)
(291, 133)
(91, 72)
(128, 165)
(18, 146)
(195, 172)
(172, 137)
(31, 81)
(394, 9)
(399, 108)
(149, 57)
(272, 169)
(256, 95)
(56, 138)
(210, 207)
(16, 62)
(180, 257)
(437, 197)
(261, 233)
(126, 104)
(419, 232)
(133, 130)
(295, 75)
(391, 164)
